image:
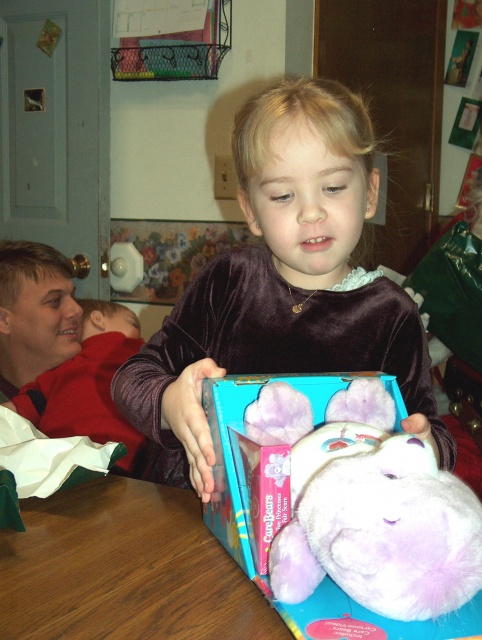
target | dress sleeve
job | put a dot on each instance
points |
(139, 384)
(414, 380)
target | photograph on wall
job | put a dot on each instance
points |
(472, 182)
(461, 58)
(174, 252)
(467, 123)
(467, 14)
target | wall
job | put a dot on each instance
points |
(454, 159)
(165, 134)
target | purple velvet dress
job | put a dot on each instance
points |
(238, 311)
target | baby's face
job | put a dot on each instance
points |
(124, 321)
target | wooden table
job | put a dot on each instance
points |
(125, 559)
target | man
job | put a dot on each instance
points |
(40, 322)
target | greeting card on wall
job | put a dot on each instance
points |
(467, 14)
(477, 91)
(472, 182)
(467, 123)
(461, 58)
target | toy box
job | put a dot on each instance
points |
(329, 612)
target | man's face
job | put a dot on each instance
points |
(45, 323)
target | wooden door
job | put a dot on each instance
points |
(393, 52)
(55, 155)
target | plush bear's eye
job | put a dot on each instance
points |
(390, 476)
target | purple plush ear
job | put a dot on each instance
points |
(294, 571)
(365, 400)
(280, 412)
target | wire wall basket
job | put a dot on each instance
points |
(183, 61)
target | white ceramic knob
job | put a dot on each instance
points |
(119, 267)
(126, 267)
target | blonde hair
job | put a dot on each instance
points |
(338, 115)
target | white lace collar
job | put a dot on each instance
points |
(356, 279)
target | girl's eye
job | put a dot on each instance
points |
(284, 198)
(334, 190)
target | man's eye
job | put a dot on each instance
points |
(54, 302)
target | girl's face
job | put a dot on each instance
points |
(310, 206)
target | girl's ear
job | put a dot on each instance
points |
(98, 320)
(372, 193)
(249, 214)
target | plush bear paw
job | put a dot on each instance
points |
(294, 571)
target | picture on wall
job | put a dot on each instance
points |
(461, 58)
(174, 252)
(467, 123)
(467, 14)
(471, 183)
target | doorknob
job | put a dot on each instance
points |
(80, 266)
(126, 267)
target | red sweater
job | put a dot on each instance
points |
(78, 398)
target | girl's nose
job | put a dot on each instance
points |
(311, 212)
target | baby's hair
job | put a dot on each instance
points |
(106, 307)
(340, 116)
(22, 260)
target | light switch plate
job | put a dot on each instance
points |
(225, 182)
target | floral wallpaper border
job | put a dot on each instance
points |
(174, 253)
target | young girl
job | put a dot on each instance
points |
(303, 151)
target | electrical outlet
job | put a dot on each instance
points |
(225, 182)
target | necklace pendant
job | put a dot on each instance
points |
(297, 308)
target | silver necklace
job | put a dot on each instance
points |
(298, 308)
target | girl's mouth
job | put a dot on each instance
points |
(316, 240)
(316, 244)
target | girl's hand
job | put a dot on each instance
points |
(418, 425)
(182, 412)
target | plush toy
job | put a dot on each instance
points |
(284, 413)
(398, 535)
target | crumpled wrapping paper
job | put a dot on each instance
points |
(41, 465)
(9, 508)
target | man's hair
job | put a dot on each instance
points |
(107, 308)
(22, 260)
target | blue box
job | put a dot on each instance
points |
(329, 609)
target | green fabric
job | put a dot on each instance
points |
(9, 510)
(450, 280)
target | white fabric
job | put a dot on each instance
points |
(356, 279)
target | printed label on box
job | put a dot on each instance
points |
(264, 480)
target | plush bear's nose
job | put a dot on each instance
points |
(416, 441)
